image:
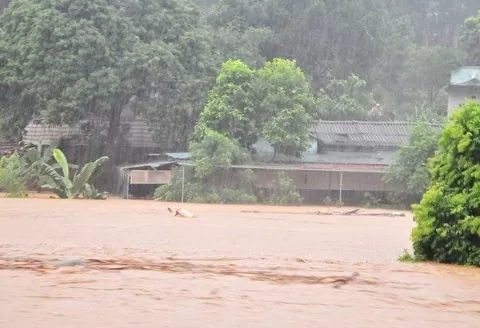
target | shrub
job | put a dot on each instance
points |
(230, 196)
(90, 192)
(409, 168)
(198, 192)
(62, 184)
(448, 216)
(13, 172)
(285, 192)
(370, 200)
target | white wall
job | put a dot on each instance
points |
(459, 95)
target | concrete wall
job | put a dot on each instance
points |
(457, 96)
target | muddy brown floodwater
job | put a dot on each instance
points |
(121, 263)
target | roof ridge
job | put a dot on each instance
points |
(375, 122)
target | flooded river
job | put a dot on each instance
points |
(123, 263)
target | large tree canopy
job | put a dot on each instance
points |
(448, 217)
(409, 168)
(274, 101)
(69, 60)
(470, 40)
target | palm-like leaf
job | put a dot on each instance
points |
(55, 178)
(62, 161)
(80, 180)
(100, 161)
(61, 193)
(62, 186)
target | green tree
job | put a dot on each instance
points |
(212, 180)
(274, 102)
(214, 150)
(288, 131)
(287, 107)
(345, 99)
(424, 76)
(336, 37)
(409, 167)
(469, 39)
(231, 105)
(448, 216)
(72, 60)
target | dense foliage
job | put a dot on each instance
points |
(71, 60)
(448, 216)
(42, 167)
(66, 185)
(273, 102)
(409, 168)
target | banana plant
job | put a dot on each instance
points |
(90, 192)
(34, 156)
(61, 184)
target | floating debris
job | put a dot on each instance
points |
(181, 212)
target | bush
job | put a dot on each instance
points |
(370, 200)
(230, 196)
(448, 216)
(13, 172)
(409, 168)
(285, 192)
(197, 192)
(90, 192)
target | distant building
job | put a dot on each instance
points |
(464, 85)
(345, 159)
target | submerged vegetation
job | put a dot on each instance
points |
(35, 170)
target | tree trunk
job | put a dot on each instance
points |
(113, 128)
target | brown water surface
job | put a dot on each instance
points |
(123, 263)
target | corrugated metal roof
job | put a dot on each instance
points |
(334, 157)
(364, 133)
(179, 156)
(39, 132)
(466, 76)
(334, 133)
(310, 167)
(7, 147)
(139, 133)
(156, 165)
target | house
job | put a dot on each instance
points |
(137, 138)
(141, 179)
(345, 159)
(464, 85)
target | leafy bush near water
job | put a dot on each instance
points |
(448, 216)
(283, 193)
(197, 192)
(13, 176)
(34, 170)
(66, 186)
(409, 167)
